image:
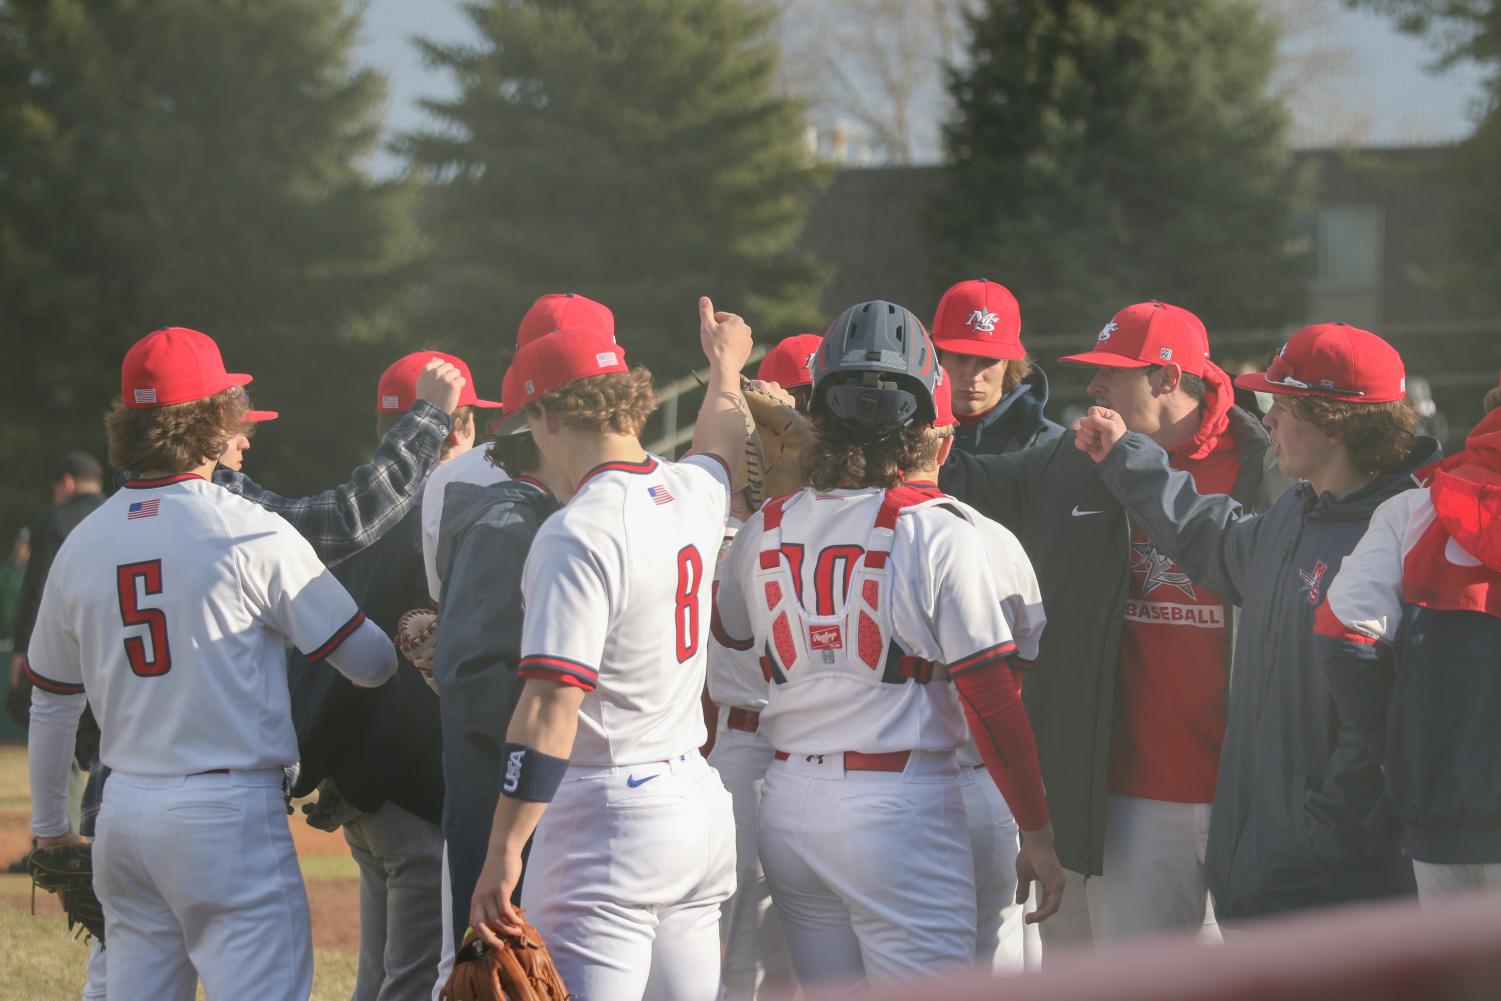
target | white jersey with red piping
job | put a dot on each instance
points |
(856, 605)
(180, 643)
(617, 591)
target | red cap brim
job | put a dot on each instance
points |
(1104, 359)
(240, 379)
(485, 404)
(982, 349)
(262, 416)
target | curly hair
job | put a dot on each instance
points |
(841, 457)
(618, 402)
(178, 437)
(1379, 437)
(1492, 400)
(1017, 370)
(515, 453)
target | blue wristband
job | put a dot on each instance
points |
(531, 775)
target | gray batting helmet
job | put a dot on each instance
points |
(876, 370)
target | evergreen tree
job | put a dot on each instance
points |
(631, 151)
(1467, 31)
(181, 162)
(1111, 151)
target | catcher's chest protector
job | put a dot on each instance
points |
(854, 641)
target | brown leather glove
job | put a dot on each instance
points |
(522, 971)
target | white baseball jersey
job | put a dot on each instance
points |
(471, 467)
(170, 606)
(1021, 598)
(889, 587)
(617, 591)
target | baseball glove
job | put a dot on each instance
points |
(776, 437)
(68, 871)
(417, 638)
(520, 971)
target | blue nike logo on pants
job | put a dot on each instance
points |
(634, 782)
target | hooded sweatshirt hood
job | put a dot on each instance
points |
(1466, 492)
(1219, 397)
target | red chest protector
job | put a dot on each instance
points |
(856, 640)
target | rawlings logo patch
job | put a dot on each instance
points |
(825, 638)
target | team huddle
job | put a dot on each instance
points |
(878, 802)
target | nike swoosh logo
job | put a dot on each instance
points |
(634, 782)
(1080, 514)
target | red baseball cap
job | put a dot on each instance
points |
(788, 364)
(551, 362)
(1335, 361)
(397, 389)
(565, 311)
(177, 365)
(943, 402)
(1149, 333)
(979, 317)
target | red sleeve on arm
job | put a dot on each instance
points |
(998, 722)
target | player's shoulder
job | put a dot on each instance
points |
(938, 520)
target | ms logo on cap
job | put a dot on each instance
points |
(1107, 330)
(982, 320)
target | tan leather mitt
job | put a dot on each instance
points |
(521, 971)
(774, 445)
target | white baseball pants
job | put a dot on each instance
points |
(870, 871)
(1154, 880)
(1437, 880)
(199, 879)
(627, 874)
(755, 953)
(1004, 942)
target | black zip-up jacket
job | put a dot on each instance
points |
(483, 540)
(1298, 813)
(1079, 541)
(1015, 423)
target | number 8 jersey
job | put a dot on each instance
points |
(617, 592)
(170, 607)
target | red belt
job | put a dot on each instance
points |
(856, 761)
(744, 720)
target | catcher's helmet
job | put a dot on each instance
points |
(876, 370)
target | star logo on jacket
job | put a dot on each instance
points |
(1158, 570)
(1107, 330)
(982, 320)
(1313, 581)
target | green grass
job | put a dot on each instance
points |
(40, 961)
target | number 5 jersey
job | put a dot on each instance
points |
(171, 607)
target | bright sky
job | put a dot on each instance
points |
(1365, 82)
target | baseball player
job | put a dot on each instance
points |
(170, 607)
(635, 852)
(850, 597)
(550, 312)
(1000, 394)
(755, 952)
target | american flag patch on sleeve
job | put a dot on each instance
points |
(144, 395)
(389, 402)
(659, 495)
(143, 509)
